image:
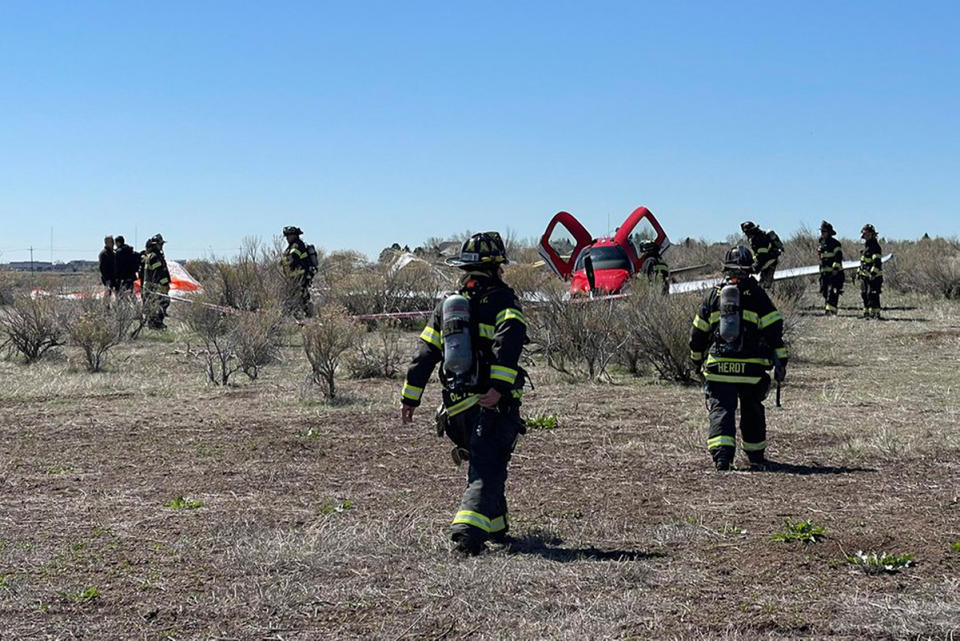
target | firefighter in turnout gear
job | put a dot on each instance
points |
(870, 272)
(298, 267)
(767, 247)
(830, 253)
(736, 337)
(476, 336)
(155, 283)
(654, 266)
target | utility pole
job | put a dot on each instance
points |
(31, 257)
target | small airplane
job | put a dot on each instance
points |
(602, 265)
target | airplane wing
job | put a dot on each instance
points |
(781, 274)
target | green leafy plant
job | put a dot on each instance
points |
(880, 562)
(4, 581)
(180, 503)
(81, 596)
(543, 422)
(956, 546)
(331, 506)
(805, 531)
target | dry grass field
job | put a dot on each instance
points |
(145, 503)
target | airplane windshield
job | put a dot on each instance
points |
(610, 257)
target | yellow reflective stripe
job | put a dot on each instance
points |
(751, 317)
(720, 441)
(782, 353)
(511, 313)
(754, 447)
(517, 393)
(478, 520)
(487, 331)
(829, 254)
(412, 391)
(432, 336)
(164, 281)
(296, 252)
(701, 324)
(831, 308)
(501, 373)
(770, 262)
(155, 266)
(714, 317)
(770, 319)
(721, 359)
(696, 356)
(463, 405)
(722, 378)
(762, 250)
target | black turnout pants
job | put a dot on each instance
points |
(722, 400)
(490, 436)
(831, 286)
(870, 293)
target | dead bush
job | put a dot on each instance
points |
(233, 341)
(930, 266)
(378, 354)
(578, 338)
(381, 288)
(96, 326)
(254, 280)
(32, 327)
(658, 333)
(326, 339)
(6, 287)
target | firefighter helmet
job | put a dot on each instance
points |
(738, 259)
(156, 240)
(649, 248)
(827, 228)
(292, 229)
(748, 227)
(867, 229)
(480, 250)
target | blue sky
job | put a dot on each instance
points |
(372, 122)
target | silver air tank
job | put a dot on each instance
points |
(730, 313)
(457, 350)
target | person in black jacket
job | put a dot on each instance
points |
(482, 386)
(297, 265)
(830, 253)
(766, 248)
(128, 264)
(653, 265)
(108, 265)
(736, 337)
(155, 283)
(870, 272)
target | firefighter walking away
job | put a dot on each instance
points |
(476, 336)
(736, 338)
(767, 247)
(155, 283)
(830, 253)
(300, 265)
(870, 273)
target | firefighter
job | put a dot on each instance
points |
(482, 385)
(870, 272)
(830, 253)
(298, 266)
(767, 247)
(128, 264)
(736, 337)
(108, 266)
(155, 282)
(654, 266)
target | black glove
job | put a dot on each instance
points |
(780, 372)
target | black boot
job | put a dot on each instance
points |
(467, 545)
